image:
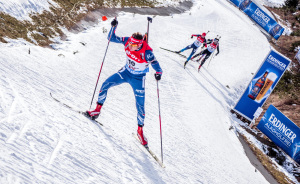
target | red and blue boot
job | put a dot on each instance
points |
(95, 113)
(141, 136)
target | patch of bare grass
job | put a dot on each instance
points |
(46, 25)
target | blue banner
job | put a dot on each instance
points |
(262, 84)
(260, 17)
(282, 131)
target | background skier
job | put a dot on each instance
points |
(138, 57)
(213, 45)
(199, 42)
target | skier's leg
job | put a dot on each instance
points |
(196, 55)
(186, 48)
(206, 57)
(114, 80)
(192, 53)
(138, 86)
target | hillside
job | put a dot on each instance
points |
(42, 141)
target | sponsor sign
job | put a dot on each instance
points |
(262, 84)
(260, 17)
(282, 131)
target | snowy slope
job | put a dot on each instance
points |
(276, 3)
(44, 142)
(21, 9)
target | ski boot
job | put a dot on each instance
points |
(185, 64)
(141, 136)
(95, 113)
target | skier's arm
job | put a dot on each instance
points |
(195, 35)
(114, 38)
(150, 58)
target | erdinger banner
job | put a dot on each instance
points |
(282, 131)
(262, 84)
(260, 17)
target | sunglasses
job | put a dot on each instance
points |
(133, 44)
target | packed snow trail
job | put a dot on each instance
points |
(44, 142)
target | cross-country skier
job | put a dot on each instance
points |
(199, 42)
(213, 45)
(138, 57)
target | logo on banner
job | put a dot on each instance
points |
(282, 131)
(260, 17)
(278, 64)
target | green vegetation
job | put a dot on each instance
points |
(294, 45)
(291, 5)
(47, 25)
(295, 33)
(289, 85)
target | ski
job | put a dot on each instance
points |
(74, 110)
(149, 151)
(174, 52)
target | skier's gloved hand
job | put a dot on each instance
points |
(157, 76)
(114, 23)
(217, 54)
(192, 36)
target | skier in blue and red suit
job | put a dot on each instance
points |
(138, 57)
(213, 45)
(199, 42)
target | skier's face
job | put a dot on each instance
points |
(133, 47)
(134, 44)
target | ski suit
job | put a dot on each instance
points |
(208, 51)
(199, 42)
(134, 73)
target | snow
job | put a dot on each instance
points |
(272, 3)
(44, 142)
(20, 9)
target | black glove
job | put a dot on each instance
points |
(217, 54)
(114, 23)
(157, 76)
(192, 36)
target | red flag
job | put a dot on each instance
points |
(104, 18)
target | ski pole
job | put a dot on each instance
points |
(149, 21)
(160, 123)
(110, 32)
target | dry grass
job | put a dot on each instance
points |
(47, 25)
